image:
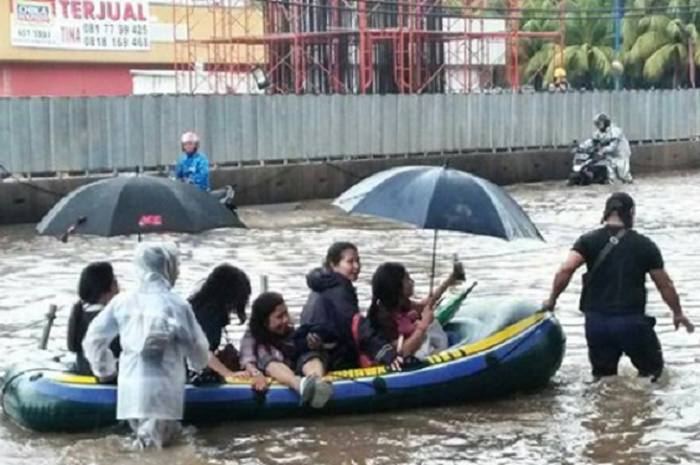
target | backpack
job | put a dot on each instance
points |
(364, 360)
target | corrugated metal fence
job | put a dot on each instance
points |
(39, 135)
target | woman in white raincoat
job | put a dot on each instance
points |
(158, 331)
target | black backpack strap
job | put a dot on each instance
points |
(614, 240)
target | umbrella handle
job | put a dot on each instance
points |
(432, 266)
(81, 220)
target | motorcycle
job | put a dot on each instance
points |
(589, 164)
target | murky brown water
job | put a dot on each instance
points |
(620, 421)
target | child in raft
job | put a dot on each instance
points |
(398, 318)
(96, 288)
(268, 348)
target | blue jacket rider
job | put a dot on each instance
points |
(193, 167)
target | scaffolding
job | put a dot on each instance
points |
(348, 46)
(212, 49)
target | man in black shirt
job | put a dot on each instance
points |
(614, 294)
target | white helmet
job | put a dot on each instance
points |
(189, 137)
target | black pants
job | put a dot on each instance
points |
(610, 336)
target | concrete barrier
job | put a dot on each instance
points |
(256, 185)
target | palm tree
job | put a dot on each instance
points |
(661, 48)
(541, 57)
(587, 53)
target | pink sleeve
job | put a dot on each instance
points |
(247, 351)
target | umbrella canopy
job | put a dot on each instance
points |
(136, 205)
(440, 199)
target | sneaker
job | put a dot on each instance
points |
(229, 199)
(322, 393)
(307, 386)
(315, 392)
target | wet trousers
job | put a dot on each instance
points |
(610, 336)
(155, 433)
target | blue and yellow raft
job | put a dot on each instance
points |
(505, 347)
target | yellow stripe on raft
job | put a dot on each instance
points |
(454, 354)
(504, 335)
(69, 378)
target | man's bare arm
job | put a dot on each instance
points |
(563, 277)
(668, 292)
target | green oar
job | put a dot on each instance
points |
(446, 311)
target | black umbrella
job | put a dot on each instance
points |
(439, 198)
(136, 205)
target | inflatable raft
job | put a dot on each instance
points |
(504, 347)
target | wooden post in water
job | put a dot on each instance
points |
(264, 284)
(50, 317)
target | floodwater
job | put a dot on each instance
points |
(619, 421)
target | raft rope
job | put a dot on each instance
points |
(7, 383)
(29, 184)
(267, 180)
(27, 326)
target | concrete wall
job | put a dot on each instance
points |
(20, 203)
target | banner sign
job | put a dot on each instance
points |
(81, 24)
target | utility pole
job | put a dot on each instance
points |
(618, 13)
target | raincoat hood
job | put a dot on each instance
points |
(322, 279)
(157, 263)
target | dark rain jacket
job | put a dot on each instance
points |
(329, 311)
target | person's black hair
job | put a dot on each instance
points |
(622, 204)
(262, 308)
(387, 292)
(226, 287)
(335, 253)
(96, 280)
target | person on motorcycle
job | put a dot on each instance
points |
(193, 167)
(614, 147)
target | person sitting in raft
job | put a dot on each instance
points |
(226, 290)
(268, 348)
(96, 288)
(331, 307)
(158, 331)
(397, 317)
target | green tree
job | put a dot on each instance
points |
(662, 49)
(587, 54)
